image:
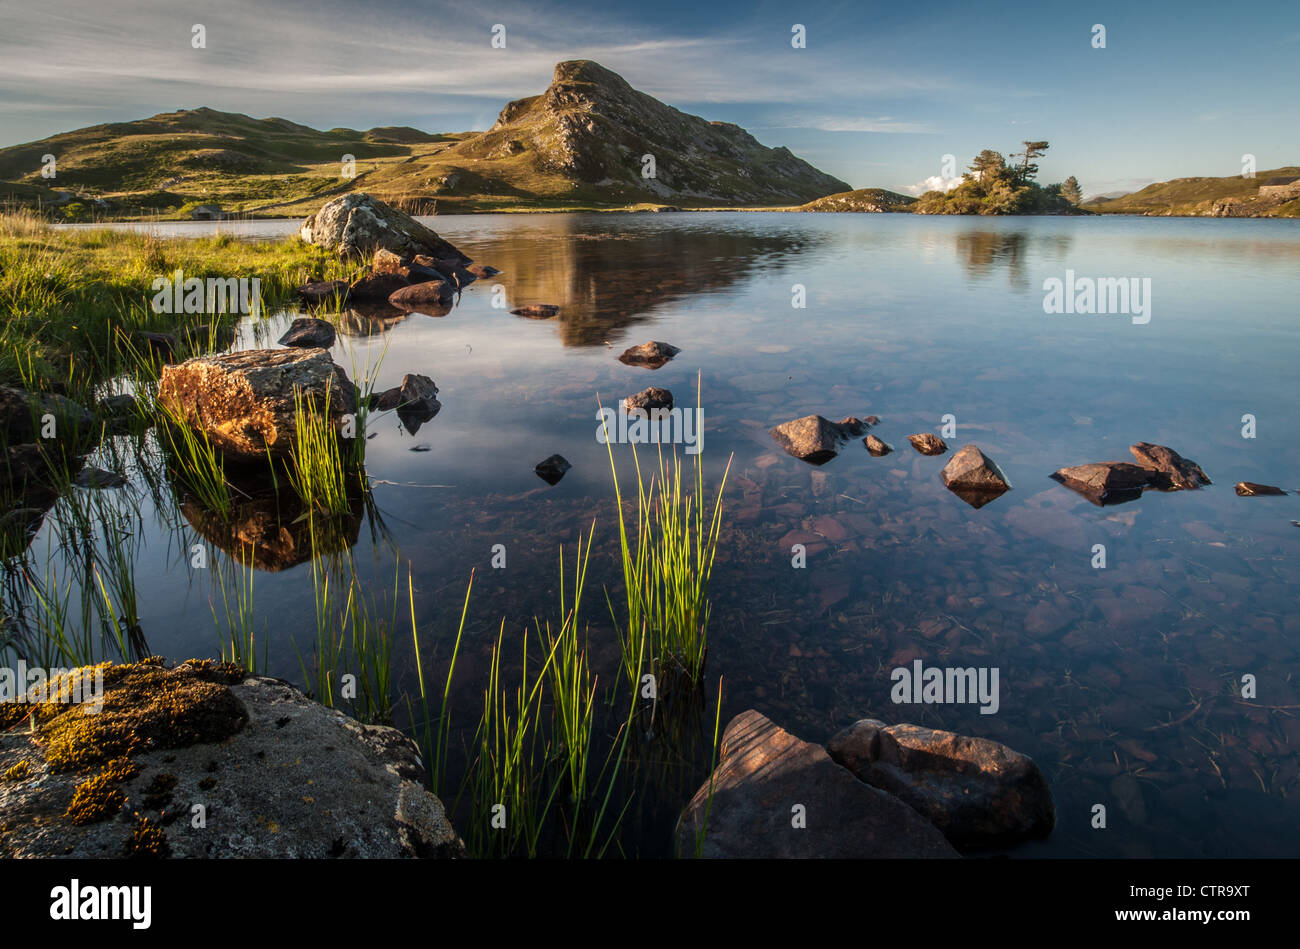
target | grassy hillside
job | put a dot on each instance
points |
(864, 199)
(577, 145)
(1204, 197)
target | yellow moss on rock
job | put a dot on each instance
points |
(147, 840)
(18, 772)
(95, 799)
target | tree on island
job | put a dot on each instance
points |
(992, 186)
(1071, 191)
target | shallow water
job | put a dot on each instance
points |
(911, 319)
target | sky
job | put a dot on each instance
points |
(879, 95)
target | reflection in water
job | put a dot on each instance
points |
(983, 250)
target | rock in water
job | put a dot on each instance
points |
(244, 401)
(356, 224)
(649, 399)
(377, 287)
(385, 261)
(876, 446)
(764, 772)
(22, 417)
(928, 443)
(1106, 482)
(980, 793)
(309, 333)
(1176, 473)
(537, 311)
(813, 439)
(1249, 489)
(651, 355)
(974, 477)
(435, 294)
(552, 469)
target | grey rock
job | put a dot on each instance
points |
(356, 224)
(309, 333)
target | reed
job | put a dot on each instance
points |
(317, 471)
(238, 640)
(198, 465)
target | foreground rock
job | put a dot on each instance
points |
(244, 401)
(1249, 489)
(275, 774)
(980, 793)
(1173, 472)
(356, 225)
(928, 443)
(813, 439)
(651, 355)
(767, 780)
(974, 477)
(309, 333)
(552, 469)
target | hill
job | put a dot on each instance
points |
(1209, 197)
(875, 200)
(583, 142)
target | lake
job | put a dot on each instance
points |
(1123, 682)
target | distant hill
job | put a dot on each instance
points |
(876, 200)
(582, 142)
(1233, 196)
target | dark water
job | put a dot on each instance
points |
(910, 319)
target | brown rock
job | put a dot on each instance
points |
(812, 438)
(1176, 472)
(316, 292)
(245, 401)
(433, 293)
(928, 443)
(980, 793)
(649, 399)
(537, 311)
(768, 783)
(1106, 482)
(974, 477)
(1249, 489)
(876, 446)
(309, 333)
(651, 355)
(377, 287)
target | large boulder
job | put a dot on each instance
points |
(979, 792)
(774, 796)
(356, 225)
(276, 774)
(244, 401)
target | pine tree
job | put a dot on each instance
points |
(1070, 190)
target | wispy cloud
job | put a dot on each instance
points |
(885, 125)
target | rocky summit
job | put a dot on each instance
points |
(591, 128)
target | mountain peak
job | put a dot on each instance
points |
(585, 70)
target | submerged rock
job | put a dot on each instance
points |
(649, 399)
(974, 477)
(1175, 473)
(356, 224)
(482, 270)
(979, 792)
(160, 346)
(309, 333)
(25, 417)
(244, 401)
(876, 446)
(767, 779)
(552, 469)
(852, 426)
(651, 355)
(92, 477)
(813, 439)
(928, 443)
(1106, 482)
(278, 775)
(537, 311)
(1249, 489)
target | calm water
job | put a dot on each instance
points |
(910, 319)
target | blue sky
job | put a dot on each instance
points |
(878, 97)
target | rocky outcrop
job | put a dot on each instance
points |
(974, 477)
(980, 793)
(773, 796)
(651, 355)
(356, 224)
(203, 761)
(244, 401)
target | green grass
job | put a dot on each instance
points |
(667, 561)
(198, 464)
(318, 469)
(238, 639)
(72, 298)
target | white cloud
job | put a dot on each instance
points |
(933, 183)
